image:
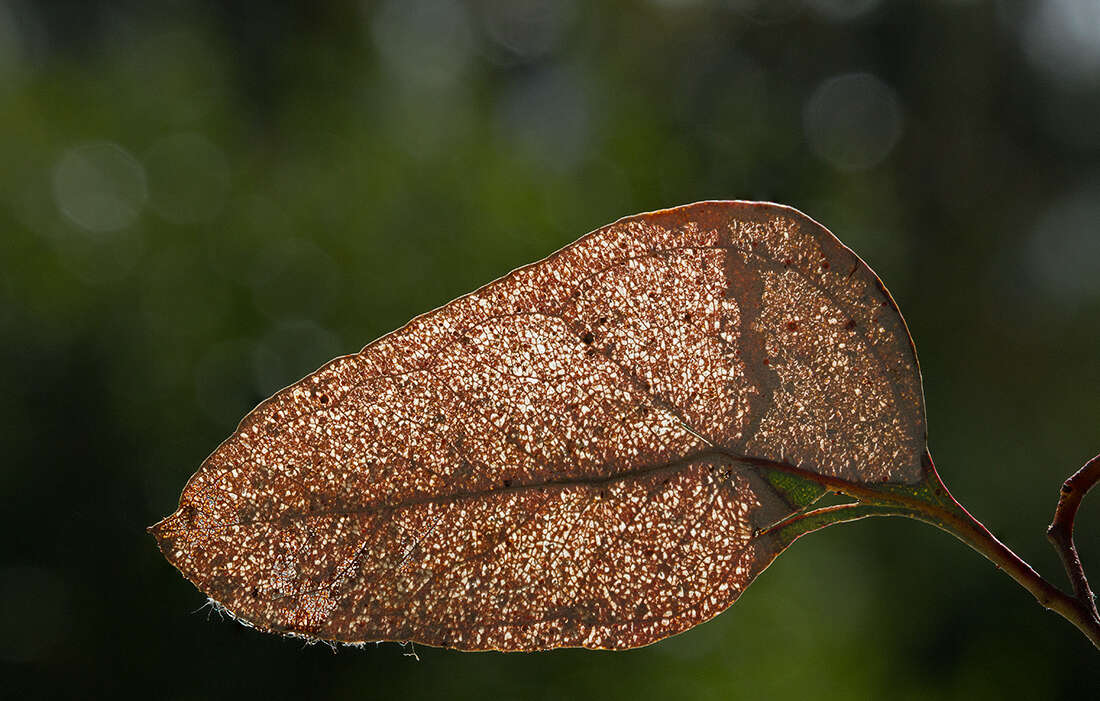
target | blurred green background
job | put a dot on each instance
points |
(200, 202)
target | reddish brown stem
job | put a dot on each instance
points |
(932, 503)
(958, 521)
(1060, 533)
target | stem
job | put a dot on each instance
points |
(949, 515)
(929, 501)
(958, 521)
(1060, 533)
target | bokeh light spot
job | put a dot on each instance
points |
(100, 187)
(548, 118)
(429, 42)
(1064, 251)
(528, 29)
(853, 121)
(1062, 38)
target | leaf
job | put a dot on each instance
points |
(586, 452)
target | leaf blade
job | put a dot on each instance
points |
(664, 344)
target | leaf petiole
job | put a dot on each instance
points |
(931, 502)
(794, 527)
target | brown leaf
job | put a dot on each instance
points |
(574, 455)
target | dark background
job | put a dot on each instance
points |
(202, 202)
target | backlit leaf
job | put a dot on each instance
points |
(585, 452)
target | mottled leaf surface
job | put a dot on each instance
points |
(582, 453)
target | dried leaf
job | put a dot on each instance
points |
(582, 453)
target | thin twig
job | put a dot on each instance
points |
(1060, 532)
(946, 513)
